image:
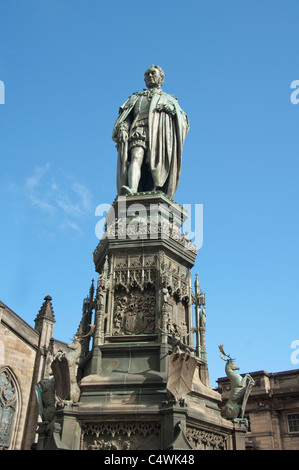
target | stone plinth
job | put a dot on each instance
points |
(143, 317)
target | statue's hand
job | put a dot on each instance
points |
(166, 108)
(122, 136)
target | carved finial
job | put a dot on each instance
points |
(91, 290)
(196, 286)
(196, 283)
(46, 310)
(106, 266)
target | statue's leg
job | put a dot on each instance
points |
(134, 174)
(240, 394)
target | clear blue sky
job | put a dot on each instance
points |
(67, 66)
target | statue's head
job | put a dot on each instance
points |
(232, 365)
(154, 76)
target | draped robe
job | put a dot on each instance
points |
(166, 135)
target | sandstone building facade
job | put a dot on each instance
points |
(25, 356)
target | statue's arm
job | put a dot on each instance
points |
(167, 104)
(121, 129)
(167, 107)
(122, 125)
(170, 105)
(122, 132)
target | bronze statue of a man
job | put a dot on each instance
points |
(150, 132)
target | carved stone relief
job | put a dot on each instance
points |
(175, 277)
(176, 320)
(205, 440)
(134, 311)
(135, 270)
(138, 279)
(120, 436)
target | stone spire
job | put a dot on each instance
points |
(86, 319)
(44, 325)
(45, 317)
(46, 312)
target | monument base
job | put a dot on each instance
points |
(136, 411)
(144, 385)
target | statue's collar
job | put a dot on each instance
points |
(151, 91)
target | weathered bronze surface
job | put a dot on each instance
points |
(240, 388)
(150, 132)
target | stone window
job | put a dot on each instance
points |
(8, 407)
(293, 422)
(248, 423)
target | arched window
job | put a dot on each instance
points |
(9, 405)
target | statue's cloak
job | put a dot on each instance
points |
(166, 136)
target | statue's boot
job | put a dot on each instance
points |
(125, 190)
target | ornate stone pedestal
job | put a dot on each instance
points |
(144, 383)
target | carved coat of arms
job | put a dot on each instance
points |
(134, 313)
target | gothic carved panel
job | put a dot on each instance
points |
(176, 322)
(134, 311)
(135, 270)
(201, 439)
(175, 277)
(120, 436)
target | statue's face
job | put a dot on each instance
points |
(233, 365)
(152, 77)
